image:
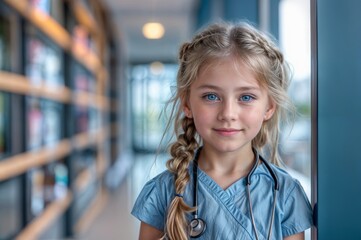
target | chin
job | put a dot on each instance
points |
(229, 148)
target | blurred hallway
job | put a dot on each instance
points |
(114, 220)
(82, 86)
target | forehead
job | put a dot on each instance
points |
(227, 69)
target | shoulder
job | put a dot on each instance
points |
(291, 193)
(284, 176)
(295, 207)
(164, 176)
(153, 200)
(287, 183)
(161, 187)
(162, 183)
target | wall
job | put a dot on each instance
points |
(339, 118)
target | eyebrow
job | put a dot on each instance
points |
(245, 88)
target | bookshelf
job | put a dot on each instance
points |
(56, 115)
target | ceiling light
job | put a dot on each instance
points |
(153, 30)
(156, 68)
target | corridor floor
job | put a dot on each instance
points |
(115, 222)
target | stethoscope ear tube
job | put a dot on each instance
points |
(276, 188)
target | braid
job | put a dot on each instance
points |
(267, 47)
(183, 51)
(271, 51)
(255, 38)
(275, 56)
(182, 152)
(201, 39)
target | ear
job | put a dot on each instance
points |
(271, 108)
(187, 110)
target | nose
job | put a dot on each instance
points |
(228, 111)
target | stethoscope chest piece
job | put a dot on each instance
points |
(197, 227)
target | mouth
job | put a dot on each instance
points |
(227, 131)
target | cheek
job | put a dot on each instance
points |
(202, 116)
(255, 116)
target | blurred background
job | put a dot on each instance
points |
(82, 87)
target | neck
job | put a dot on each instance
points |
(223, 164)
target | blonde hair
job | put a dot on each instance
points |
(217, 41)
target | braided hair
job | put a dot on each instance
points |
(217, 41)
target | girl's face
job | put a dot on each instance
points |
(228, 106)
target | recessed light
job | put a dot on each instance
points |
(153, 30)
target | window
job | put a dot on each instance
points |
(151, 88)
(295, 42)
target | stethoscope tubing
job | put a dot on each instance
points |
(248, 183)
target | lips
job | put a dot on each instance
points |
(227, 131)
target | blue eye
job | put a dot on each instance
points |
(211, 97)
(246, 98)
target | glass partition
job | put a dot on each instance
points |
(295, 43)
(151, 88)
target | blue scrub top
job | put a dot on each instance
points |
(226, 212)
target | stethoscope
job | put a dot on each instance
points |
(197, 226)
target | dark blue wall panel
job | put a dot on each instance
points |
(339, 119)
(241, 9)
(229, 10)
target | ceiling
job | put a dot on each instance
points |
(129, 16)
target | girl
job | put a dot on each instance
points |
(231, 95)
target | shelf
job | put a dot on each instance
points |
(72, 103)
(85, 17)
(86, 57)
(43, 21)
(20, 163)
(54, 210)
(82, 98)
(93, 211)
(19, 84)
(84, 179)
(84, 140)
(101, 165)
(58, 34)
(87, 177)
